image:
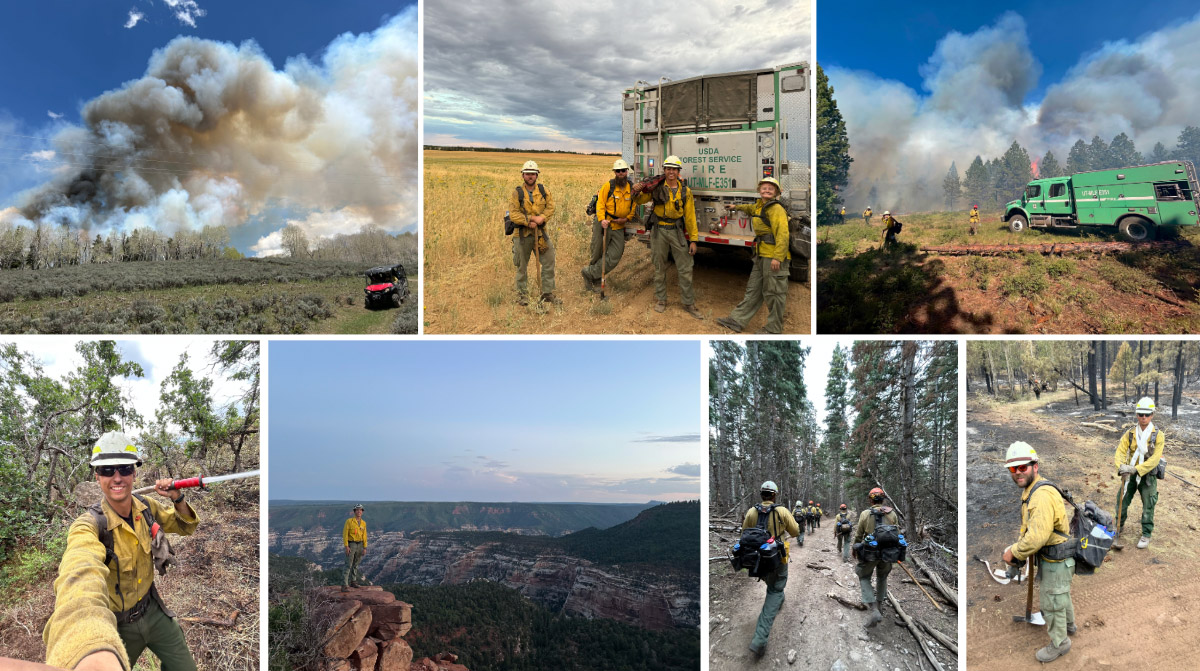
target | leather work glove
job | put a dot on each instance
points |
(1126, 469)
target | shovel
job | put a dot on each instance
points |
(1116, 544)
(1030, 617)
(604, 260)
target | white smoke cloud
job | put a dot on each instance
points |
(976, 102)
(134, 18)
(43, 155)
(187, 11)
(213, 133)
(53, 115)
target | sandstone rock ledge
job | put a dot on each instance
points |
(365, 632)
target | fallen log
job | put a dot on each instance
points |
(949, 594)
(847, 602)
(1094, 425)
(915, 632)
(1056, 248)
(943, 548)
(819, 567)
(939, 636)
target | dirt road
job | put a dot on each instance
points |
(820, 630)
(481, 299)
(1140, 609)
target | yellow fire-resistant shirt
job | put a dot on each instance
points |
(780, 521)
(974, 216)
(617, 203)
(355, 529)
(678, 207)
(866, 521)
(1129, 445)
(1041, 517)
(535, 204)
(86, 591)
(777, 217)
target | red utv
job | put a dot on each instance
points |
(387, 286)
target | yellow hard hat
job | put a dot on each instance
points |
(530, 166)
(673, 162)
(620, 164)
(1020, 453)
(771, 180)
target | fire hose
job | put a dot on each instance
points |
(201, 481)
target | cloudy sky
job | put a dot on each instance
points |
(923, 87)
(157, 357)
(184, 113)
(602, 422)
(541, 75)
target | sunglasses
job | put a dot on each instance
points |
(620, 171)
(109, 471)
(1018, 469)
(1145, 414)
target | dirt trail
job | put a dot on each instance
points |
(819, 629)
(482, 300)
(1140, 609)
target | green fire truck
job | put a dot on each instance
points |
(729, 130)
(1141, 201)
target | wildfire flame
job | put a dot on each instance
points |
(1034, 169)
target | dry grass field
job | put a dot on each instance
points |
(469, 273)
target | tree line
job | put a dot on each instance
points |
(1135, 369)
(891, 420)
(992, 183)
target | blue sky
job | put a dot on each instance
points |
(485, 421)
(894, 39)
(61, 54)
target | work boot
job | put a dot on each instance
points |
(757, 652)
(1071, 628)
(345, 589)
(588, 283)
(876, 616)
(551, 299)
(1051, 653)
(1143, 542)
(660, 306)
(691, 310)
(522, 300)
(730, 324)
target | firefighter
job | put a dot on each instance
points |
(674, 233)
(781, 523)
(615, 205)
(974, 219)
(811, 516)
(1138, 456)
(529, 207)
(891, 228)
(842, 525)
(1044, 537)
(842, 215)
(820, 513)
(871, 561)
(798, 514)
(354, 539)
(867, 216)
(772, 261)
(107, 609)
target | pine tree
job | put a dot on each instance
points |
(1049, 167)
(1123, 153)
(837, 429)
(1077, 160)
(1015, 173)
(1159, 154)
(952, 187)
(1189, 145)
(1099, 155)
(833, 152)
(976, 183)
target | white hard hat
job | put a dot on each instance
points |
(673, 162)
(115, 449)
(530, 166)
(1145, 406)
(772, 181)
(1020, 453)
(620, 164)
(769, 486)
(886, 212)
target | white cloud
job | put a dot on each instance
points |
(43, 155)
(187, 11)
(53, 115)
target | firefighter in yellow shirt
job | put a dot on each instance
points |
(781, 524)
(530, 206)
(673, 234)
(354, 538)
(1045, 537)
(974, 219)
(615, 205)
(867, 215)
(772, 261)
(1137, 457)
(107, 609)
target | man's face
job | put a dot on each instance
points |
(767, 191)
(358, 513)
(621, 176)
(116, 487)
(1024, 474)
(530, 178)
(1144, 420)
(671, 173)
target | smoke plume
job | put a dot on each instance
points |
(976, 102)
(213, 134)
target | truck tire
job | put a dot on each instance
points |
(798, 270)
(1136, 229)
(396, 298)
(1017, 223)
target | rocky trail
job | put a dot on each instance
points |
(814, 630)
(1138, 610)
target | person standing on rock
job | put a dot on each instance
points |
(1045, 535)
(842, 526)
(873, 521)
(1138, 456)
(354, 537)
(107, 609)
(781, 524)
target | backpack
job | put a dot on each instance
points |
(509, 225)
(592, 208)
(1160, 471)
(843, 526)
(1089, 540)
(106, 538)
(758, 551)
(886, 542)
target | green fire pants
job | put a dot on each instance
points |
(765, 286)
(522, 250)
(881, 569)
(160, 633)
(843, 541)
(1054, 595)
(776, 581)
(1147, 486)
(353, 559)
(611, 256)
(670, 240)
